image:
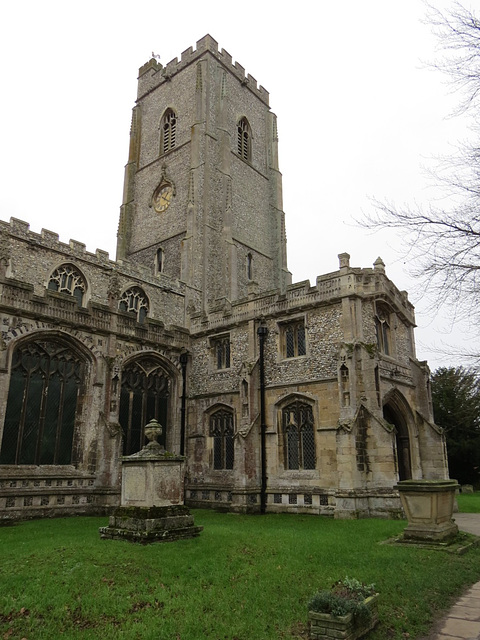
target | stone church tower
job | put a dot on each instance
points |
(203, 193)
(282, 397)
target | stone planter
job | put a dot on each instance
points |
(428, 505)
(324, 626)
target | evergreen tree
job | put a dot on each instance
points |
(456, 406)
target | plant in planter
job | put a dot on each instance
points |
(349, 608)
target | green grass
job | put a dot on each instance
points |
(244, 578)
(469, 502)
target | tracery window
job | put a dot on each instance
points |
(297, 419)
(293, 343)
(382, 327)
(67, 279)
(221, 430)
(144, 395)
(221, 349)
(45, 383)
(168, 131)
(244, 138)
(134, 301)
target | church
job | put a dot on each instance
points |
(302, 398)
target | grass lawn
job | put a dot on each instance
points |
(244, 578)
(469, 502)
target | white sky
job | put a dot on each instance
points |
(359, 115)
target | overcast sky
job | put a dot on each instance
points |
(359, 116)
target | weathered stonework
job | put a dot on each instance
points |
(347, 404)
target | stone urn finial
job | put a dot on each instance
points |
(152, 431)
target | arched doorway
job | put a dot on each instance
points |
(394, 416)
(144, 396)
(46, 381)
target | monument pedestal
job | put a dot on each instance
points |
(150, 524)
(152, 508)
(428, 505)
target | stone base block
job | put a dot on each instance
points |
(433, 533)
(150, 524)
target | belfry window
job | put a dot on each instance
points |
(134, 301)
(168, 131)
(67, 279)
(293, 339)
(221, 430)
(244, 138)
(299, 437)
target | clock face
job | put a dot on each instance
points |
(162, 198)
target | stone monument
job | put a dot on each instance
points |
(428, 505)
(152, 503)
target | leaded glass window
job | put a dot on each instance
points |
(168, 131)
(293, 339)
(221, 430)
(134, 301)
(299, 437)
(67, 279)
(244, 139)
(45, 382)
(221, 348)
(144, 395)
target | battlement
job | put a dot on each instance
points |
(50, 240)
(153, 73)
(329, 289)
(76, 250)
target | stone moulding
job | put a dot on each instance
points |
(325, 626)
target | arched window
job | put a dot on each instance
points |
(144, 395)
(221, 430)
(168, 131)
(382, 327)
(160, 260)
(244, 140)
(67, 279)
(249, 266)
(297, 419)
(345, 385)
(134, 301)
(46, 380)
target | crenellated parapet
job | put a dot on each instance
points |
(330, 288)
(76, 252)
(50, 240)
(153, 73)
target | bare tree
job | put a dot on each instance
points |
(443, 239)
